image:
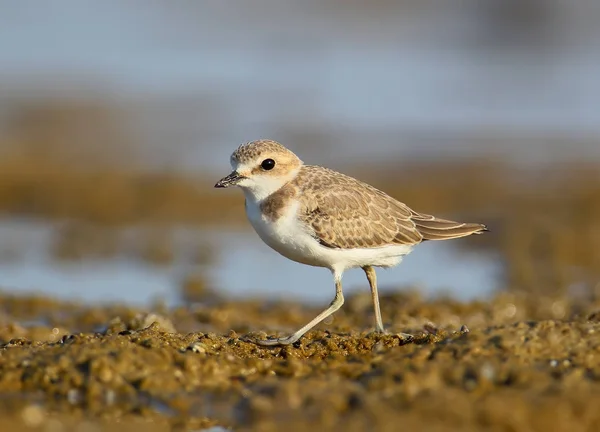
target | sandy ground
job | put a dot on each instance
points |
(515, 363)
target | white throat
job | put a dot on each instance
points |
(259, 188)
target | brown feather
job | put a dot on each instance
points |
(432, 228)
(345, 213)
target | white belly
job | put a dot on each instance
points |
(292, 239)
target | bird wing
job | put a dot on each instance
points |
(432, 228)
(346, 213)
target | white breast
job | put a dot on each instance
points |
(292, 239)
(286, 235)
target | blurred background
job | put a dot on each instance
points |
(117, 118)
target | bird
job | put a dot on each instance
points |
(320, 217)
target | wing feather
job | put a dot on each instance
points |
(346, 213)
(433, 228)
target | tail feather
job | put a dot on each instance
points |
(432, 228)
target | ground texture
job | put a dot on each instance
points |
(515, 363)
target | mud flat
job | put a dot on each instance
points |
(513, 363)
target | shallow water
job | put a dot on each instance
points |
(243, 267)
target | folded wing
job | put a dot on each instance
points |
(346, 213)
(432, 228)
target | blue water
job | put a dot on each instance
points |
(244, 267)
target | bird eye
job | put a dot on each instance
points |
(268, 164)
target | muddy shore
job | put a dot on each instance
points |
(515, 362)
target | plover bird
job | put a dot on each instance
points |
(320, 217)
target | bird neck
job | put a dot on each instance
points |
(263, 189)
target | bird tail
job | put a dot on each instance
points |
(432, 228)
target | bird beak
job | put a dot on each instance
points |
(231, 180)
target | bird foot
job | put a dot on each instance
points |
(276, 341)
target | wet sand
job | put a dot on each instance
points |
(518, 362)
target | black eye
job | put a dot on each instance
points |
(268, 164)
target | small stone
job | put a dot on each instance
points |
(110, 397)
(197, 347)
(74, 396)
(33, 416)
(594, 316)
(405, 337)
(164, 323)
(431, 328)
(105, 374)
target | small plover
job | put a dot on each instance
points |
(320, 217)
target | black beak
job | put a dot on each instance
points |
(231, 180)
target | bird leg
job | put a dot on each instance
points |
(336, 303)
(372, 278)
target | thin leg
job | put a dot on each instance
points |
(372, 277)
(337, 303)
